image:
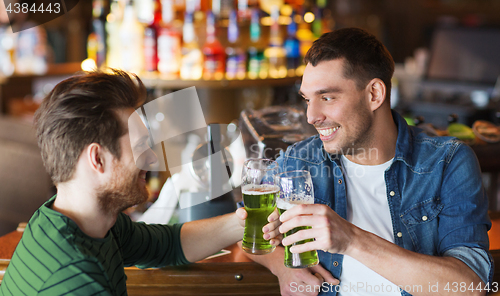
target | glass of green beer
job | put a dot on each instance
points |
(296, 188)
(259, 196)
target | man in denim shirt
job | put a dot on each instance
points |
(414, 221)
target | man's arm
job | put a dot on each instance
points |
(401, 267)
(415, 270)
(461, 254)
(291, 278)
(205, 237)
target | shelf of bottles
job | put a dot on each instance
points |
(211, 43)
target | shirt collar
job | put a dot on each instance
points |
(404, 143)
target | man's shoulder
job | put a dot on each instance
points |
(47, 248)
(49, 240)
(427, 149)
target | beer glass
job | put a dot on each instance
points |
(259, 195)
(296, 188)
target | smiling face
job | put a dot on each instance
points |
(339, 111)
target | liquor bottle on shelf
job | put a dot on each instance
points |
(222, 8)
(306, 38)
(150, 40)
(245, 8)
(7, 49)
(295, 4)
(317, 24)
(145, 10)
(169, 42)
(131, 37)
(113, 23)
(96, 42)
(214, 65)
(292, 46)
(180, 8)
(31, 51)
(192, 57)
(193, 6)
(257, 64)
(236, 57)
(276, 53)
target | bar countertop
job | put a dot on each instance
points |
(230, 274)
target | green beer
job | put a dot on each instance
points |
(260, 202)
(297, 260)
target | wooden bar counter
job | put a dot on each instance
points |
(230, 274)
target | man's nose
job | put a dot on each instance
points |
(151, 157)
(315, 114)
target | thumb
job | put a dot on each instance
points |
(241, 213)
(327, 276)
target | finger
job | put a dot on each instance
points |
(319, 276)
(271, 234)
(271, 226)
(241, 213)
(305, 247)
(276, 241)
(297, 210)
(315, 222)
(313, 280)
(322, 235)
(317, 288)
(274, 216)
(327, 276)
(303, 209)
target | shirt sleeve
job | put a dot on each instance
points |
(82, 278)
(464, 220)
(149, 245)
(477, 259)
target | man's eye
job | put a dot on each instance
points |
(141, 145)
(306, 100)
(327, 98)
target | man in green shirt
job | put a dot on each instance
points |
(79, 241)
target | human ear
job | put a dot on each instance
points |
(377, 91)
(95, 155)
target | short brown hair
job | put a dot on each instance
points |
(81, 110)
(365, 56)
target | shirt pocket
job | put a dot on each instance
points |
(421, 221)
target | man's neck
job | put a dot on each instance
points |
(383, 142)
(81, 205)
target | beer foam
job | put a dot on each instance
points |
(294, 200)
(251, 189)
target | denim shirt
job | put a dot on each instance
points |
(437, 202)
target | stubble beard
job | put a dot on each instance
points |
(122, 192)
(358, 141)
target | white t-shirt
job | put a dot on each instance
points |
(367, 208)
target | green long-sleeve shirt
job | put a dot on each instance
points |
(54, 257)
